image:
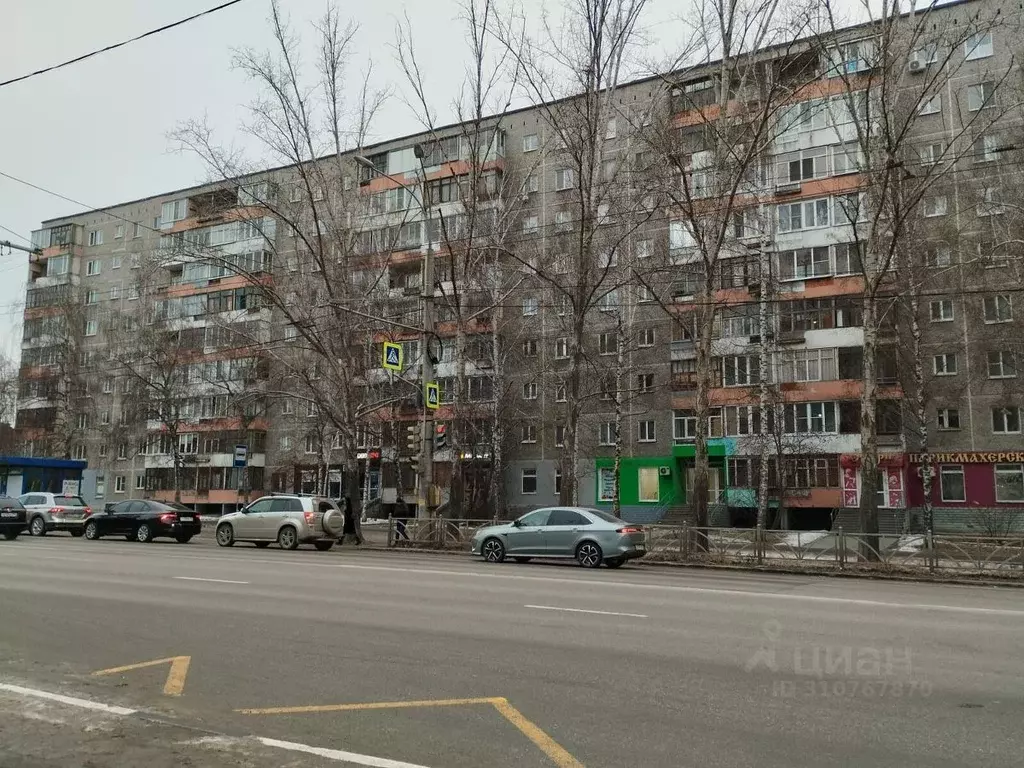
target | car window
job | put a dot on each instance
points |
(538, 517)
(262, 505)
(34, 498)
(69, 501)
(287, 505)
(8, 503)
(608, 518)
(135, 508)
(120, 508)
(566, 517)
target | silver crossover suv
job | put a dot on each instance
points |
(289, 520)
(55, 512)
(590, 536)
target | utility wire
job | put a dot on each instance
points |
(111, 47)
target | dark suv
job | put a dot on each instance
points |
(13, 519)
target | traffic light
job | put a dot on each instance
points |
(413, 437)
(440, 436)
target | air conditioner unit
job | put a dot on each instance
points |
(916, 66)
(790, 188)
(665, 471)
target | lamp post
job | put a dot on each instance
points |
(425, 468)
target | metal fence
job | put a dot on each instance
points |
(434, 532)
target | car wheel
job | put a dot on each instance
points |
(11, 534)
(76, 534)
(589, 555)
(262, 544)
(522, 559)
(144, 533)
(92, 531)
(323, 546)
(288, 537)
(183, 539)
(493, 551)
(614, 562)
(37, 527)
(225, 535)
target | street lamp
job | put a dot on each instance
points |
(425, 468)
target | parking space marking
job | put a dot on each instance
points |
(337, 754)
(175, 683)
(71, 701)
(584, 610)
(555, 752)
(214, 581)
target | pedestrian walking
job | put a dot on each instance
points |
(352, 527)
(401, 517)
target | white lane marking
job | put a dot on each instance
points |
(584, 610)
(215, 581)
(478, 574)
(338, 754)
(69, 700)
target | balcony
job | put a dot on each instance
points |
(684, 382)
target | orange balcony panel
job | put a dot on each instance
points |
(697, 116)
(222, 284)
(229, 214)
(830, 86)
(814, 497)
(60, 250)
(829, 286)
(380, 183)
(35, 312)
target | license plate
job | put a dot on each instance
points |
(8, 514)
(73, 515)
(640, 546)
(187, 519)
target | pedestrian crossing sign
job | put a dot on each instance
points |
(392, 354)
(433, 395)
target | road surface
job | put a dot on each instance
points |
(404, 659)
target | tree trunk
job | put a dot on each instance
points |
(764, 374)
(869, 433)
(497, 492)
(620, 364)
(701, 465)
(920, 404)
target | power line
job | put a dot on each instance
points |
(97, 52)
(16, 234)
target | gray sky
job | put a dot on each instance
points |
(97, 131)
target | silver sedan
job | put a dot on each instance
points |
(590, 536)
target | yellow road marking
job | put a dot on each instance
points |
(558, 755)
(175, 683)
(545, 743)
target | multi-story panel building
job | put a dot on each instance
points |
(598, 278)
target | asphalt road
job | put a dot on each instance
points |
(514, 665)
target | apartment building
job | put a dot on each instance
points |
(638, 412)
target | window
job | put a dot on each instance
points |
(530, 306)
(740, 371)
(981, 96)
(559, 435)
(561, 348)
(79, 453)
(133, 292)
(1009, 482)
(939, 256)
(603, 211)
(941, 310)
(532, 184)
(998, 309)
(563, 221)
(935, 205)
(802, 418)
(801, 165)
(108, 385)
(1001, 365)
(140, 482)
(134, 260)
(119, 484)
(91, 327)
(645, 382)
(606, 433)
(850, 58)
(929, 154)
(102, 451)
(990, 204)
(530, 390)
(96, 237)
(978, 46)
(172, 211)
(646, 431)
(944, 364)
(122, 450)
(848, 258)
(311, 409)
(560, 393)
(312, 444)
(611, 129)
(530, 348)
(531, 142)
(92, 296)
(931, 106)
(680, 236)
(645, 337)
(948, 419)
(83, 421)
(528, 481)
(529, 433)
(558, 480)
(644, 295)
(986, 149)
(563, 179)
(531, 224)
(1006, 420)
(951, 483)
(285, 443)
(847, 158)
(608, 343)
(644, 248)
(93, 267)
(136, 229)
(609, 302)
(648, 484)
(805, 263)
(58, 265)
(803, 215)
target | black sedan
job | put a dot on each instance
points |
(144, 520)
(13, 518)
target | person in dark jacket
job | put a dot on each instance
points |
(401, 516)
(352, 527)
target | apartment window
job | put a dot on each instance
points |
(981, 96)
(1006, 420)
(133, 292)
(944, 364)
(172, 211)
(941, 310)
(119, 484)
(606, 433)
(108, 385)
(531, 224)
(285, 443)
(530, 390)
(848, 258)
(644, 248)
(803, 418)
(611, 128)
(1001, 365)
(645, 382)
(92, 296)
(805, 263)
(931, 106)
(607, 259)
(951, 483)
(531, 304)
(644, 295)
(134, 260)
(531, 142)
(935, 205)
(847, 158)
(558, 480)
(1009, 482)
(311, 444)
(530, 348)
(645, 337)
(998, 309)
(680, 236)
(91, 327)
(948, 419)
(609, 302)
(528, 481)
(119, 232)
(560, 393)
(990, 204)
(740, 371)
(93, 266)
(529, 433)
(939, 256)
(563, 221)
(83, 421)
(122, 450)
(804, 215)
(608, 343)
(646, 431)
(559, 435)
(608, 169)
(136, 229)
(561, 348)
(986, 149)
(102, 451)
(802, 165)
(929, 154)
(603, 211)
(96, 237)
(311, 409)
(286, 407)
(978, 46)
(563, 179)
(140, 482)
(531, 185)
